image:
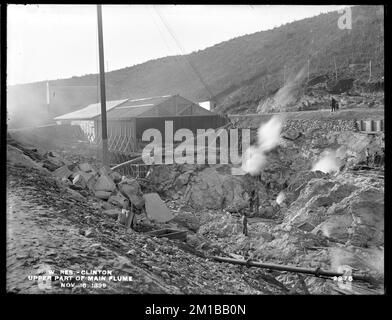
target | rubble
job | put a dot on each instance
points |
(62, 172)
(187, 220)
(118, 200)
(17, 156)
(104, 195)
(114, 213)
(131, 188)
(325, 221)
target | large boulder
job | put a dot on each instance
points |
(156, 209)
(131, 189)
(344, 208)
(216, 190)
(118, 200)
(359, 218)
(62, 172)
(314, 200)
(104, 183)
(187, 220)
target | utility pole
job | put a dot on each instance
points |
(104, 134)
(370, 70)
(336, 70)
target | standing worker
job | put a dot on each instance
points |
(367, 156)
(382, 157)
(333, 104)
(245, 224)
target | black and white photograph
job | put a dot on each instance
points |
(183, 149)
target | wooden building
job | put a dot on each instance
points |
(127, 119)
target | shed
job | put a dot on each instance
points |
(127, 119)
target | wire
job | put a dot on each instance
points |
(183, 53)
(170, 51)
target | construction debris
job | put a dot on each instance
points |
(169, 233)
(316, 272)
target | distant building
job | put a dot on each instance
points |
(127, 119)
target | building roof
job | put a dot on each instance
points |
(136, 107)
(91, 111)
(127, 108)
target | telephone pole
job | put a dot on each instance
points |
(336, 70)
(105, 159)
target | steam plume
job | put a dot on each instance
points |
(280, 198)
(254, 158)
(328, 163)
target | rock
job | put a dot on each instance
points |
(56, 159)
(89, 233)
(156, 209)
(86, 167)
(116, 177)
(267, 236)
(267, 212)
(16, 156)
(91, 183)
(66, 181)
(305, 226)
(187, 220)
(182, 180)
(122, 217)
(131, 189)
(102, 194)
(62, 172)
(132, 252)
(291, 134)
(358, 218)
(214, 190)
(106, 205)
(79, 181)
(164, 174)
(112, 213)
(118, 200)
(104, 183)
(75, 195)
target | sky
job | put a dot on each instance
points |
(48, 42)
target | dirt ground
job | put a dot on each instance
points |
(48, 229)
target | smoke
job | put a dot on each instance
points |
(365, 258)
(280, 198)
(328, 163)
(269, 134)
(287, 95)
(254, 158)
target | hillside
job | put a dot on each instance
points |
(241, 73)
